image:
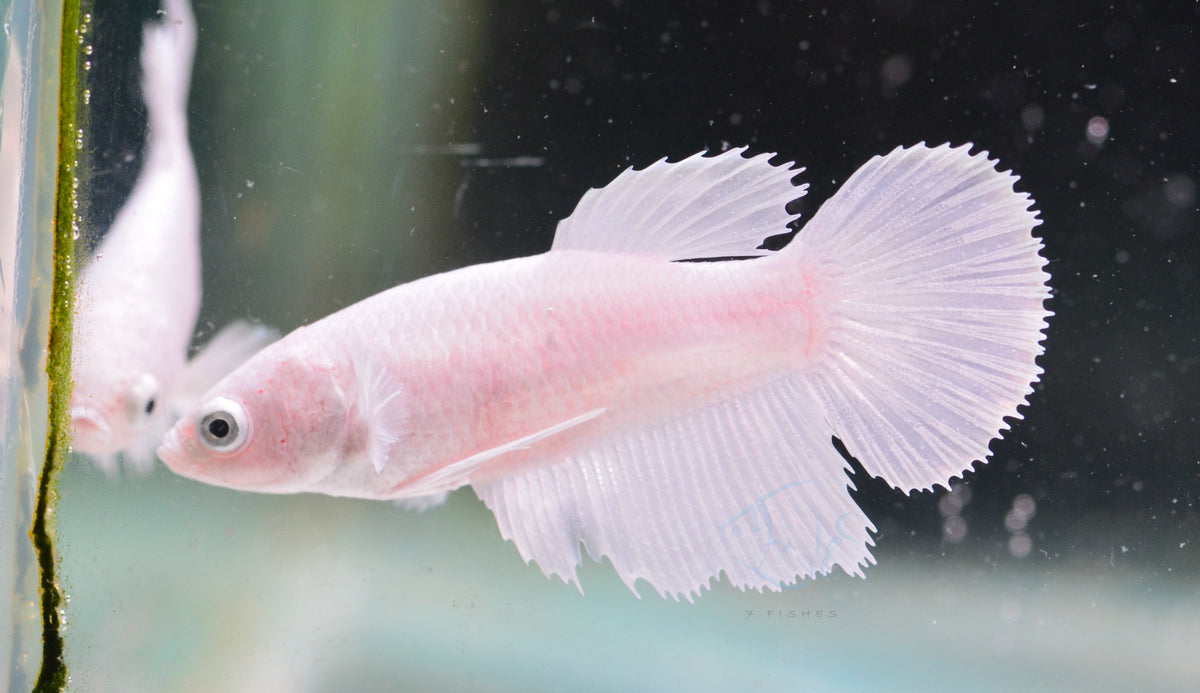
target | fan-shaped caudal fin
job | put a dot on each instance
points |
(936, 312)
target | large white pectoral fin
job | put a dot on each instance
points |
(750, 486)
(700, 207)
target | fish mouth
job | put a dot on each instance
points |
(90, 431)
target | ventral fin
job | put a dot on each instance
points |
(379, 408)
(422, 503)
(749, 486)
(457, 474)
(700, 207)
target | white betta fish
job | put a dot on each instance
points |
(139, 295)
(676, 417)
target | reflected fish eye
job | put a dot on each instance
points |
(223, 425)
(142, 397)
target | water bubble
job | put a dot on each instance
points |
(953, 502)
(1023, 510)
(1180, 191)
(1025, 505)
(1019, 545)
(1033, 117)
(954, 529)
(895, 72)
(949, 505)
(1097, 130)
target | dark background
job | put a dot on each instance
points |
(1109, 447)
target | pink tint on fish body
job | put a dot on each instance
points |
(676, 417)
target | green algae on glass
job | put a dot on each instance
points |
(53, 674)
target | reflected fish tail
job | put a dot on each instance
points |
(168, 47)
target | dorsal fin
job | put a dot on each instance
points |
(700, 207)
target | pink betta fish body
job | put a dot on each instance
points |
(676, 417)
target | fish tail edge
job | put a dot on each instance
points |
(934, 317)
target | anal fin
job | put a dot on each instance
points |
(750, 486)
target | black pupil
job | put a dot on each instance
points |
(150, 406)
(219, 428)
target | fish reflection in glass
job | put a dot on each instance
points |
(139, 293)
(676, 417)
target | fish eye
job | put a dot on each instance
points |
(143, 396)
(223, 425)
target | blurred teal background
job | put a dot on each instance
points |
(346, 148)
(179, 587)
